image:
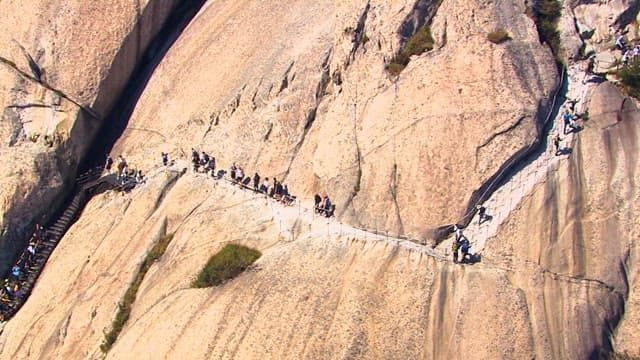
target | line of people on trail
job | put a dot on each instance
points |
(461, 244)
(12, 286)
(323, 205)
(205, 163)
(629, 53)
(569, 118)
(126, 177)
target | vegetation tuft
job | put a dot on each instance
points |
(124, 307)
(228, 263)
(630, 78)
(498, 36)
(417, 44)
(546, 13)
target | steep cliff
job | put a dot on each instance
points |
(62, 66)
(293, 97)
(301, 93)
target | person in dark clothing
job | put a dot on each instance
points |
(256, 181)
(211, 165)
(165, 159)
(317, 199)
(272, 193)
(108, 163)
(195, 159)
(205, 158)
(482, 213)
(327, 207)
(464, 248)
(233, 172)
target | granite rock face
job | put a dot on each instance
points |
(298, 90)
(298, 97)
(62, 65)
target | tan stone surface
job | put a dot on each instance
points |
(579, 226)
(423, 144)
(552, 282)
(82, 52)
(313, 297)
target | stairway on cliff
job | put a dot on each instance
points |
(88, 184)
(521, 183)
(91, 182)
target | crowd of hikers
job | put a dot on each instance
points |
(125, 175)
(630, 53)
(323, 205)
(13, 286)
(205, 163)
(460, 244)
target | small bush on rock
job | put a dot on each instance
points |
(226, 264)
(630, 78)
(417, 44)
(499, 36)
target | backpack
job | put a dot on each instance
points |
(454, 247)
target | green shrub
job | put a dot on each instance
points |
(417, 44)
(226, 264)
(364, 39)
(124, 306)
(630, 78)
(499, 36)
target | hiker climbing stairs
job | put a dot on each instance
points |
(508, 197)
(88, 184)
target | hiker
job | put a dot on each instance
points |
(625, 57)
(15, 271)
(327, 207)
(464, 248)
(590, 68)
(278, 191)
(568, 121)
(233, 172)
(195, 159)
(125, 172)
(256, 181)
(556, 144)
(212, 165)
(265, 186)
(205, 159)
(239, 174)
(40, 232)
(286, 199)
(454, 250)
(482, 214)
(272, 192)
(458, 232)
(165, 159)
(31, 249)
(108, 163)
(139, 177)
(620, 43)
(122, 163)
(317, 199)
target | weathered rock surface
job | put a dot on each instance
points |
(293, 96)
(62, 65)
(383, 151)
